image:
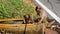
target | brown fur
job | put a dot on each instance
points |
(28, 19)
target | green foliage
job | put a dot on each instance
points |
(14, 9)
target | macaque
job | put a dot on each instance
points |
(41, 14)
(28, 19)
(42, 17)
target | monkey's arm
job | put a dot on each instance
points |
(43, 16)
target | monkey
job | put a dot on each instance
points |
(28, 19)
(42, 17)
(41, 14)
(37, 9)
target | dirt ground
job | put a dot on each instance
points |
(49, 31)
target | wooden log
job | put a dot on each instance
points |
(11, 19)
(19, 28)
(6, 21)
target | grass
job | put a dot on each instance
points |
(15, 9)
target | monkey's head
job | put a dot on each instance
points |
(27, 16)
(38, 9)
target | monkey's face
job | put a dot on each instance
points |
(27, 16)
(39, 10)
